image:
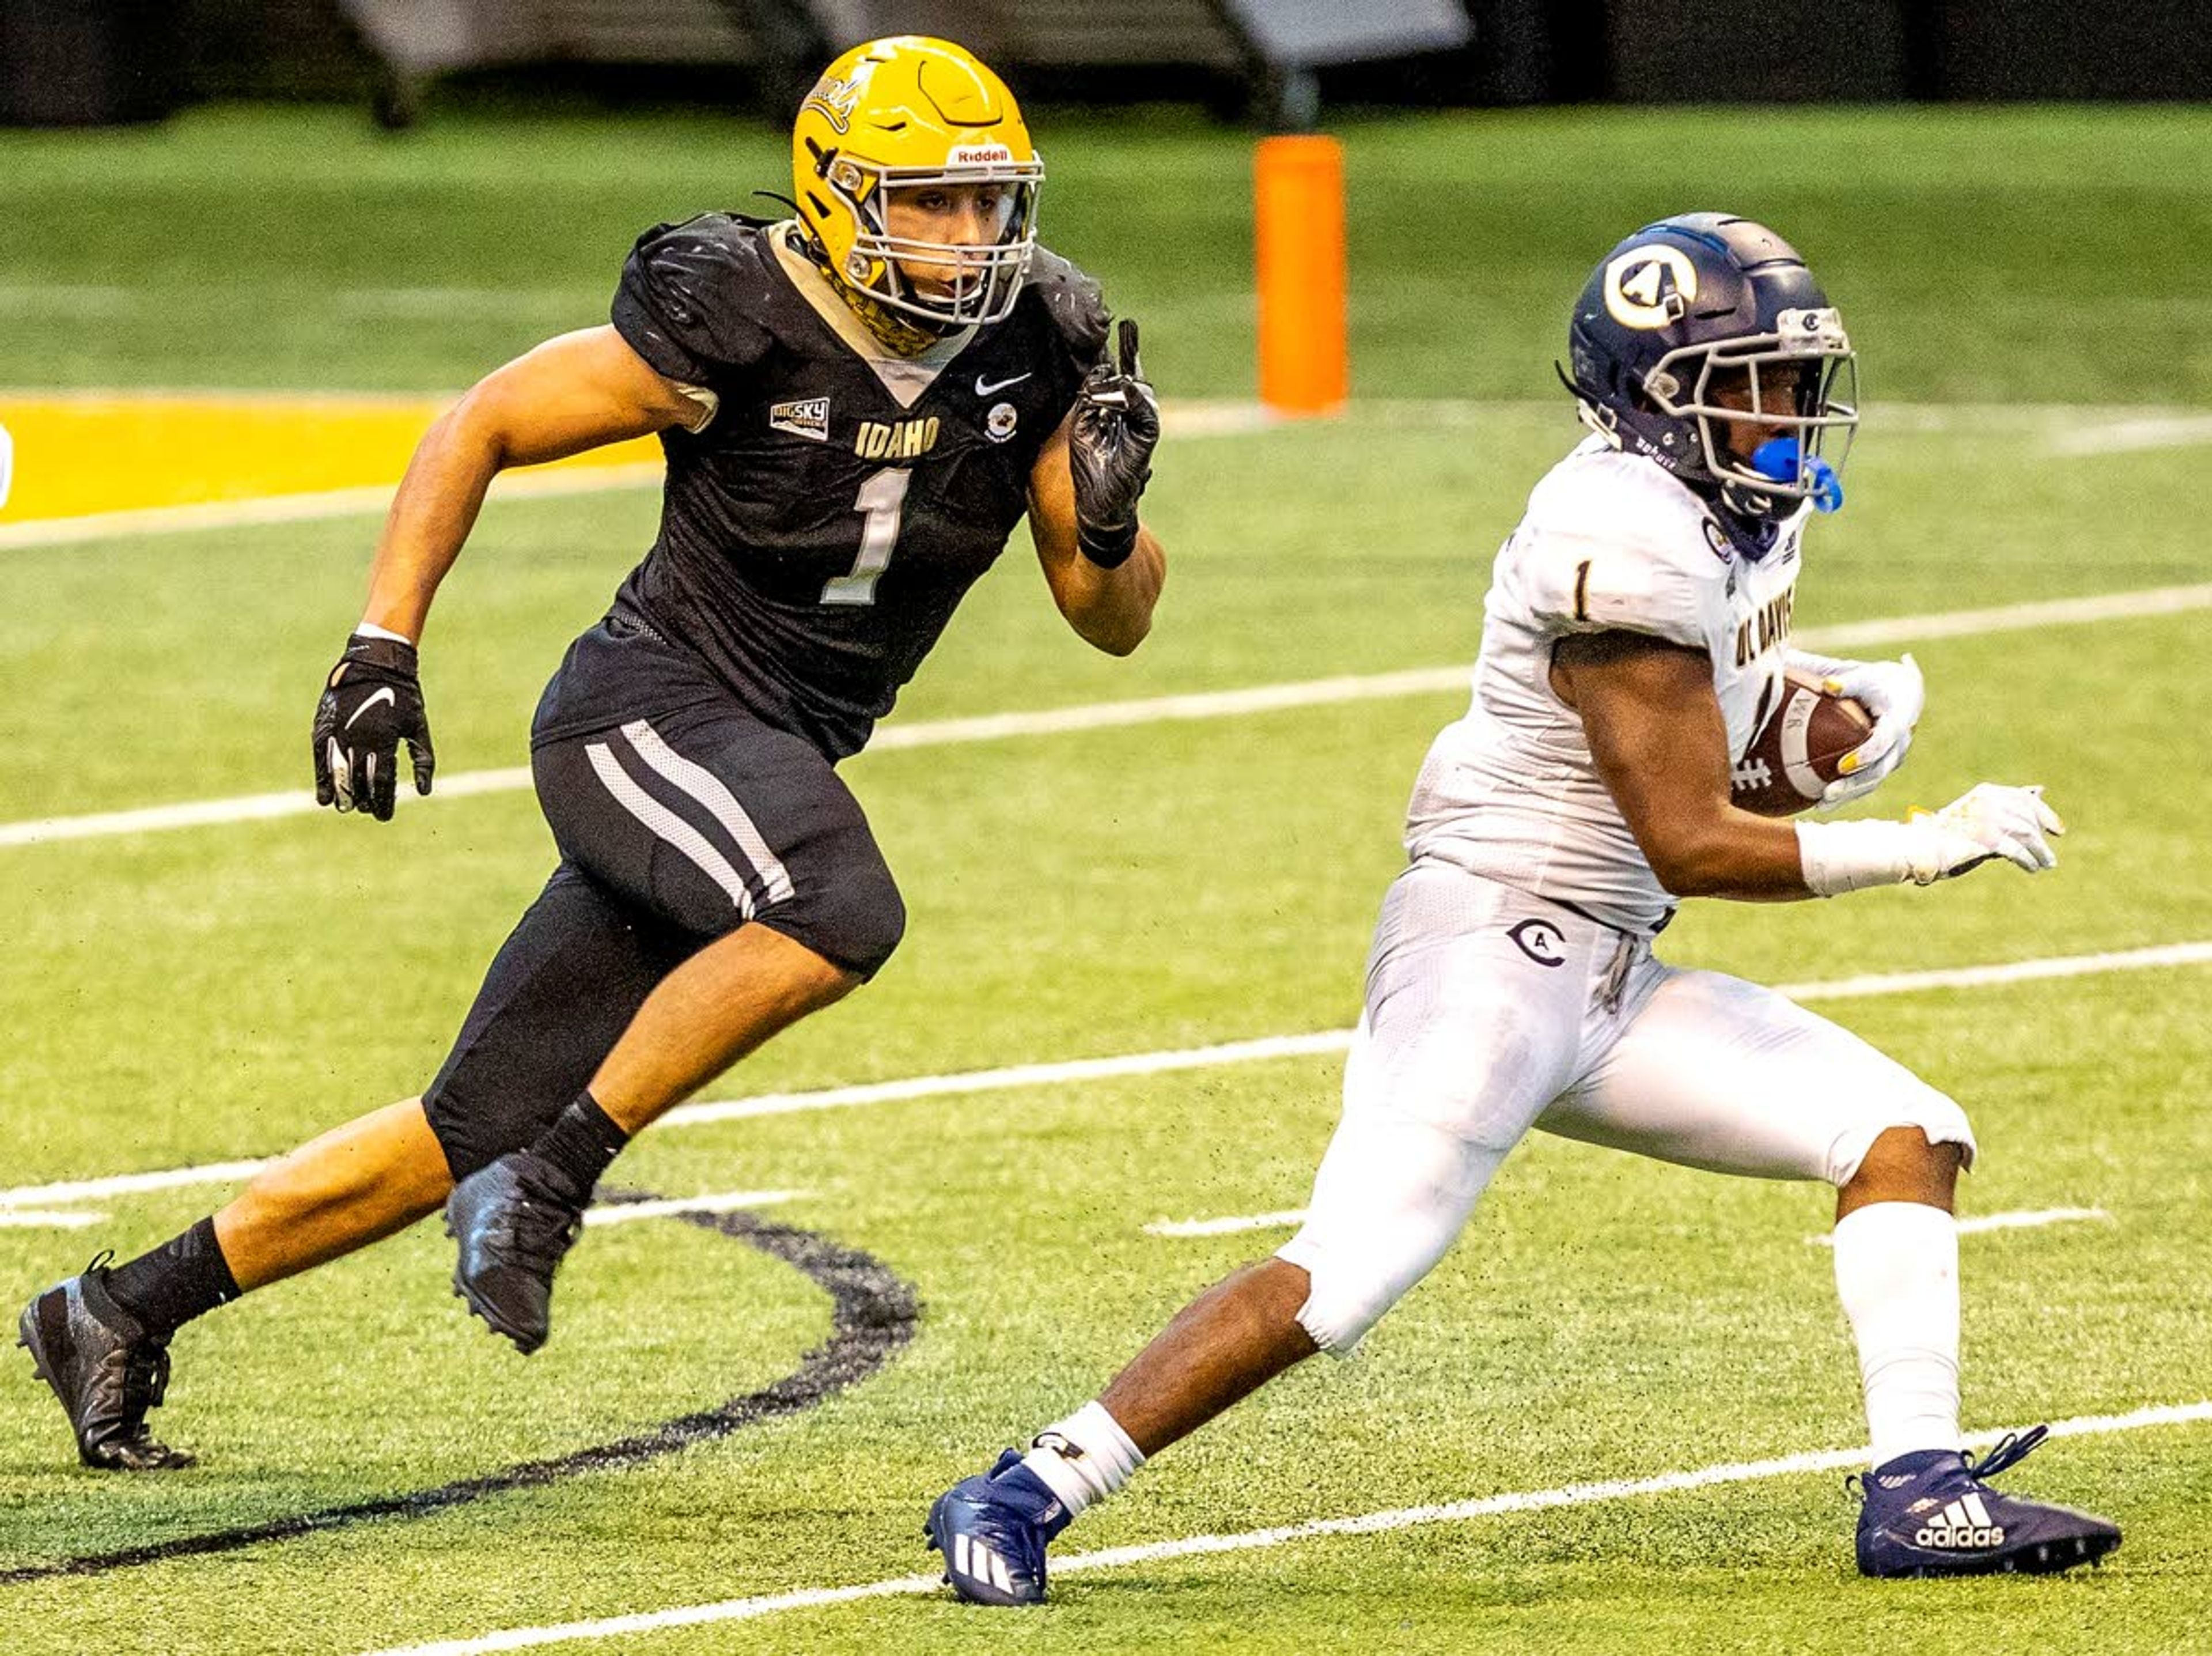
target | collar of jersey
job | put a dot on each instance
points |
(905, 377)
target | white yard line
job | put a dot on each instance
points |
(2073, 430)
(66, 1219)
(2129, 436)
(308, 507)
(1185, 420)
(1378, 1522)
(1287, 1217)
(1320, 1044)
(1280, 1220)
(1103, 716)
(718, 1201)
(2019, 1221)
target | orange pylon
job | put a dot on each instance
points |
(1299, 223)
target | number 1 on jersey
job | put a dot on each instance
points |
(881, 500)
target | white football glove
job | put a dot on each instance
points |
(1895, 694)
(1986, 822)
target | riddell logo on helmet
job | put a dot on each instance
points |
(978, 154)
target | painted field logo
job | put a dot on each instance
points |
(809, 418)
(978, 154)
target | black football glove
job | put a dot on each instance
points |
(372, 703)
(1109, 449)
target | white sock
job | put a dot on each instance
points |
(1897, 1273)
(1085, 1458)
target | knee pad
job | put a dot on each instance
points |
(856, 923)
(1350, 1285)
(1937, 1115)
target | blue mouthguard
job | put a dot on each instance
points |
(1778, 458)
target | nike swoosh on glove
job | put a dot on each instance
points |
(372, 702)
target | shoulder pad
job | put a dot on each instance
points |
(1075, 302)
(1612, 543)
(694, 296)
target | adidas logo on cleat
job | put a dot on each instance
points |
(1964, 1524)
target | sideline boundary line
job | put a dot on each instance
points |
(1320, 1044)
(1399, 1517)
(2142, 603)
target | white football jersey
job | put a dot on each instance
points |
(1610, 543)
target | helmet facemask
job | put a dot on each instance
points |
(986, 277)
(1802, 379)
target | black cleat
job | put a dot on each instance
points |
(1933, 1513)
(515, 1220)
(106, 1369)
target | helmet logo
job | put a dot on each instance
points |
(978, 154)
(1649, 287)
(835, 98)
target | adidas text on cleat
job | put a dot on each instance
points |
(993, 1530)
(1930, 1513)
(514, 1221)
(106, 1369)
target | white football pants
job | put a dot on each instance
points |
(1490, 1012)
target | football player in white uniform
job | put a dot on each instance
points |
(1635, 632)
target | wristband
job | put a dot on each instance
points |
(1109, 549)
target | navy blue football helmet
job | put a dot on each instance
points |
(1703, 322)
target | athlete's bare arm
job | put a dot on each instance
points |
(1110, 609)
(1655, 728)
(580, 390)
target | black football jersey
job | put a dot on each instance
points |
(817, 535)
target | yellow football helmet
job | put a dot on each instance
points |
(895, 114)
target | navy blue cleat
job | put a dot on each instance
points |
(514, 1221)
(993, 1530)
(1930, 1513)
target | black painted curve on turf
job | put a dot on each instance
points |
(874, 1313)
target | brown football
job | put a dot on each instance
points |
(1793, 758)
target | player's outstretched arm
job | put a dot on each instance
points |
(1103, 566)
(578, 391)
(1655, 731)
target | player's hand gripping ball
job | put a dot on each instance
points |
(1109, 450)
(1798, 753)
(372, 702)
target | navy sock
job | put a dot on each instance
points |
(184, 1278)
(580, 1143)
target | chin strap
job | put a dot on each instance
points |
(901, 335)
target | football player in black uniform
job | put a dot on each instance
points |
(857, 407)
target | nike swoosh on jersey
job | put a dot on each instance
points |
(983, 390)
(384, 694)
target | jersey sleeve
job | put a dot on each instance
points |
(1573, 582)
(681, 302)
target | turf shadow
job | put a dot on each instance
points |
(874, 1313)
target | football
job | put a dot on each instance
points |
(1794, 756)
